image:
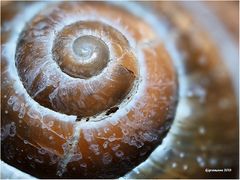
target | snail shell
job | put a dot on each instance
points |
(89, 90)
(85, 96)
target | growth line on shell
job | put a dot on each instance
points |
(69, 153)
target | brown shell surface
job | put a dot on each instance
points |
(58, 121)
(160, 102)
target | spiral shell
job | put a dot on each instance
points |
(89, 97)
(90, 89)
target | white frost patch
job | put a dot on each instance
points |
(8, 130)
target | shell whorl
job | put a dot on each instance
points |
(95, 90)
(89, 90)
(97, 66)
